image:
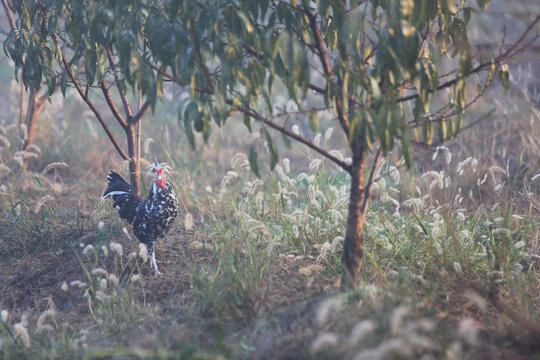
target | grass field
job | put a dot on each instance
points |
(251, 268)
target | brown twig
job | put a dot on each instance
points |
(111, 104)
(201, 60)
(323, 56)
(140, 113)
(9, 15)
(367, 189)
(290, 134)
(123, 97)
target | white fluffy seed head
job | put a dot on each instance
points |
(317, 139)
(519, 244)
(286, 165)
(188, 221)
(87, 249)
(397, 317)
(99, 271)
(315, 164)
(78, 283)
(468, 331)
(323, 341)
(44, 315)
(114, 279)
(126, 233)
(4, 314)
(143, 253)
(328, 134)
(116, 248)
(22, 333)
(105, 250)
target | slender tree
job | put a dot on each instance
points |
(386, 70)
(36, 98)
(80, 55)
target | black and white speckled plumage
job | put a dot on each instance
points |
(151, 218)
(155, 215)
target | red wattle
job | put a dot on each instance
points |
(160, 182)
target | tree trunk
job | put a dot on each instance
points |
(32, 111)
(134, 165)
(351, 260)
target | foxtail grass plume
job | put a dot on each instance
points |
(116, 248)
(114, 279)
(188, 221)
(4, 314)
(87, 249)
(21, 333)
(328, 134)
(99, 271)
(324, 340)
(143, 252)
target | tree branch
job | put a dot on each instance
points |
(504, 56)
(127, 109)
(367, 189)
(89, 102)
(201, 60)
(289, 133)
(111, 104)
(9, 15)
(323, 56)
(258, 117)
(140, 113)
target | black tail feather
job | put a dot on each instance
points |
(122, 193)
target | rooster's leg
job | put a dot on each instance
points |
(153, 261)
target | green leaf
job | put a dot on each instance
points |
(254, 165)
(442, 130)
(192, 115)
(428, 133)
(286, 141)
(313, 121)
(465, 64)
(483, 4)
(63, 83)
(375, 89)
(90, 65)
(51, 26)
(406, 147)
(504, 76)
(459, 93)
(272, 149)
(247, 121)
(467, 15)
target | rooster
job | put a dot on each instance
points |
(152, 218)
